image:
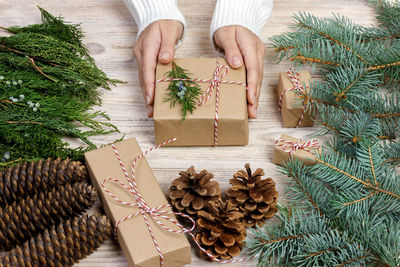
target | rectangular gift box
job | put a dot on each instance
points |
(198, 128)
(133, 235)
(292, 106)
(281, 156)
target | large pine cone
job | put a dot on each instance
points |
(221, 231)
(30, 178)
(255, 197)
(22, 220)
(62, 245)
(191, 192)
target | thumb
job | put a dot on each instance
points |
(227, 42)
(167, 49)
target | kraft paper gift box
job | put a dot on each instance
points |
(282, 154)
(198, 128)
(292, 105)
(133, 235)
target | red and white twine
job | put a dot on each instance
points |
(294, 78)
(291, 147)
(155, 213)
(220, 72)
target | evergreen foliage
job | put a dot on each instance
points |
(185, 92)
(48, 84)
(344, 210)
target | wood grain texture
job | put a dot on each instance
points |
(110, 36)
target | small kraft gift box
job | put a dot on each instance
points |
(291, 87)
(287, 147)
(220, 114)
(137, 206)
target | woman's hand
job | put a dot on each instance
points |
(241, 45)
(157, 42)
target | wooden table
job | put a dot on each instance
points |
(110, 36)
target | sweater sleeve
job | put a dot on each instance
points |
(145, 12)
(252, 14)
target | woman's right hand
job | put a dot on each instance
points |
(156, 43)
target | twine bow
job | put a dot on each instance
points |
(298, 87)
(291, 147)
(154, 213)
(220, 72)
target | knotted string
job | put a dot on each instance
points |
(294, 78)
(220, 72)
(291, 147)
(155, 213)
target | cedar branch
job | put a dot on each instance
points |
(24, 122)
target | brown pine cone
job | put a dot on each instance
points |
(62, 245)
(221, 231)
(29, 178)
(255, 197)
(192, 191)
(22, 220)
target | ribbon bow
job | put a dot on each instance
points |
(220, 72)
(291, 147)
(155, 213)
(294, 78)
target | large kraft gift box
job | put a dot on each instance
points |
(133, 235)
(198, 128)
(292, 105)
(281, 156)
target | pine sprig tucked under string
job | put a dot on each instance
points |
(48, 83)
(186, 92)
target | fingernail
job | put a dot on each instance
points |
(148, 99)
(236, 62)
(164, 55)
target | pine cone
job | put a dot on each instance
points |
(22, 220)
(221, 231)
(29, 178)
(62, 245)
(255, 197)
(191, 192)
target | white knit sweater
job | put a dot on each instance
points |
(252, 14)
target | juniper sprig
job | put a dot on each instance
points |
(48, 85)
(185, 93)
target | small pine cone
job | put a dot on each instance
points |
(191, 192)
(255, 197)
(62, 245)
(22, 220)
(221, 231)
(29, 178)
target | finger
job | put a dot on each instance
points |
(148, 68)
(261, 54)
(226, 40)
(169, 38)
(138, 54)
(253, 72)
